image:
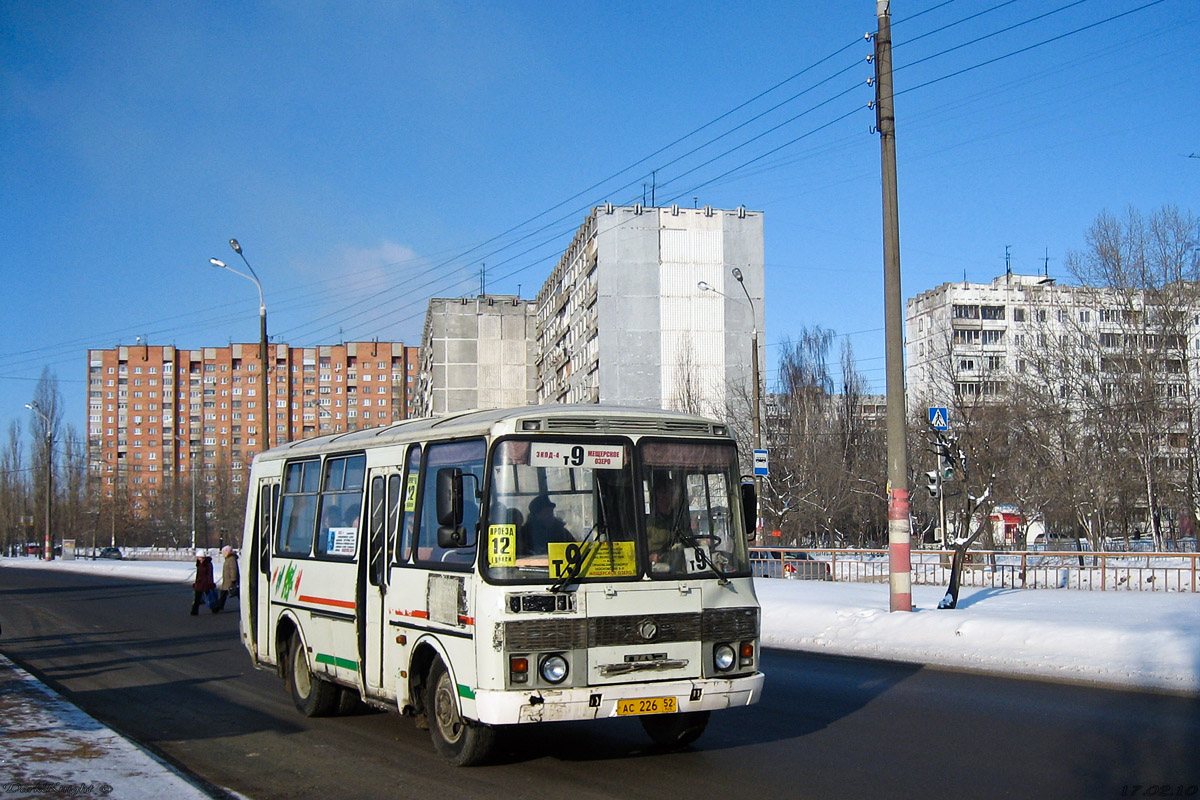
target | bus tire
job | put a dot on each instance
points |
(460, 741)
(675, 730)
(314, 696)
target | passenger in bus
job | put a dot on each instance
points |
(669, 523)
(331, 517)
(543, 527)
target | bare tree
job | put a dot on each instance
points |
(14, 492)
(44, 427)
(826, 483)
(1149, 267)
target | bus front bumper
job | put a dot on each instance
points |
(554, 705)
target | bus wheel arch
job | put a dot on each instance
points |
(312, 695)
(285, 629)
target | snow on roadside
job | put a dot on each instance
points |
(164, 571)
(49, 748)
(1135, 639)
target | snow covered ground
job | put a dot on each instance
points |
(1145, 640)
(50, 748)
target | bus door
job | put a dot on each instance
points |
(258, 574)
(383, 504)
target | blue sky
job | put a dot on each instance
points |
(371, 155)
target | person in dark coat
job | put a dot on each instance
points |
(229, 576)
(543, 527)
(204, 580)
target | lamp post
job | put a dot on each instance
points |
(49, 551)
(757, 394)
(192, 470)
(262, 337)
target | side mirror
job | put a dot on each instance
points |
(749, 509)
(451, 533)
(449, 496)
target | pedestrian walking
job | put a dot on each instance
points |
(204, 580)
(229, 576)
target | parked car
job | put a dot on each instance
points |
(111, 552)
(795, 565)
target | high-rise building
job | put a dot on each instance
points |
(476, 352)
(622, 318)
(156, 412)
(970, 340)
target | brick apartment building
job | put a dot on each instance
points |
(156, 412)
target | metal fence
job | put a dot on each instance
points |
(1146, 572)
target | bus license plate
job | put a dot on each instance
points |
(647, 705)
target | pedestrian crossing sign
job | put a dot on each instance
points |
(939, 419)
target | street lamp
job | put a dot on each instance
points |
(756, 416)
(49, 551)
(262, 336)
(192, 470)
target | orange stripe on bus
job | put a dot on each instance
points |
(417, 614)
(326, 601)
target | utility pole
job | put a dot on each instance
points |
(49, 544)
(899, 526)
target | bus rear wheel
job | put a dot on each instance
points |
(460, 741)
(314, 696)
(675, 730)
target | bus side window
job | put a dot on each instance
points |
(341, 506)
(403, 543)
(267, 497)
(375, 540)
(469, 457)
(298, 508)
(395, 486)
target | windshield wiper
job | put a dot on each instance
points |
(704, 559)
(576, 565)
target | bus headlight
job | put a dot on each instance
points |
(724, 657)
(553, 668)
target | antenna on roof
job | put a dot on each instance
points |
(1046, 269)
(1008, 263)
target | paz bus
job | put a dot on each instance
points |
(506, 567)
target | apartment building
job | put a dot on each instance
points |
(476, 352)
(969, 340)
(158, 412)
(622, 318)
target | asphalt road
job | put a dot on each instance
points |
(128, 653)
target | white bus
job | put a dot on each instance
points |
(506, 567)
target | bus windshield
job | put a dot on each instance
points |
(687, 494)
(574, 510)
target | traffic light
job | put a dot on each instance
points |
(933, 482)
(946, 467)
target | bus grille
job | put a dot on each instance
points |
(730, 624)
(726, 624)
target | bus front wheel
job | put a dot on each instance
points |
(675, 730)
(314, 696)
(461, 742)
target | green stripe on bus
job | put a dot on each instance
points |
(466, 691)
(345, 663)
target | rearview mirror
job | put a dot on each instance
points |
(451, 534)
(750, 509)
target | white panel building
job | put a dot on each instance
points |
(622, 320)
(476, 352)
